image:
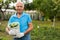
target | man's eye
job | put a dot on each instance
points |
(19, 6)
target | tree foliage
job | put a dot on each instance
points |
(4, 5)
(49, 7)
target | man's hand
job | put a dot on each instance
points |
(12, 32)
(19, 35)
(7, 29)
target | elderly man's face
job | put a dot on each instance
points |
(19, 7)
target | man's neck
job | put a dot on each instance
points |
(18, 15)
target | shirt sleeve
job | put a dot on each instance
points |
(29, 19)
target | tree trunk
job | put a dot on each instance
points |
(53, 25)
(2, 14)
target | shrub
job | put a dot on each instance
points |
(46, 33)
(7, 16)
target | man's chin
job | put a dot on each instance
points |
(19, 12)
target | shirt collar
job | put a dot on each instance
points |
(15, 15)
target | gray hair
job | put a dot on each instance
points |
(17, 3)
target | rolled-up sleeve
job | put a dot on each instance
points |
(29, 19)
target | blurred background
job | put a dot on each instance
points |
(45, 16)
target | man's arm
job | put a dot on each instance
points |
(30, 28)
(7, 29)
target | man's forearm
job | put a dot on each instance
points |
(7, 29)
(29, 29)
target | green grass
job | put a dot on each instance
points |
(45, 23)
(44, 32)
(3, 33)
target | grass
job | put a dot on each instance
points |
(45, 31)
(41, 31)
(3, 34)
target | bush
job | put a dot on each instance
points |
(7, 16)
(45, 33)
(58, 18)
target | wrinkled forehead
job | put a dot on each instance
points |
(19, 4)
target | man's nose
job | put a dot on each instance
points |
(19, 7)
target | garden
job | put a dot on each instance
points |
(41, 31)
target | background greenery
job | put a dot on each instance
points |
(41, 31)
(50, 8)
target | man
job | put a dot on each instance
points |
(24, 20)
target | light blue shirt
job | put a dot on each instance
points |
(24, 20)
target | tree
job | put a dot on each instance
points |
(4, 5)
(49, 7)
(29, 6)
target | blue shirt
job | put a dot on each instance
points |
(24, 20)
